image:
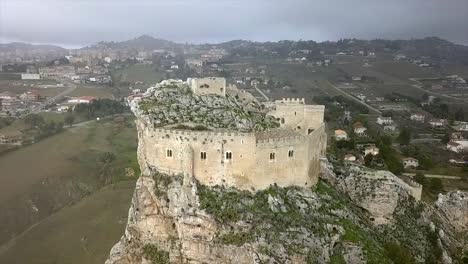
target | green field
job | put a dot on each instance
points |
(138, 72)
(102, 92)
(404, 70)
(82, 233)
(68, 154)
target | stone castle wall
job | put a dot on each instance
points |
(250, 164)
(293, 113)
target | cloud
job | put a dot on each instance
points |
(83, 22)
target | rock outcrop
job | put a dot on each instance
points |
(174, 219)
(171, 102)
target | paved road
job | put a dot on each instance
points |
(71, 87)
(264, 96)
(355, 99)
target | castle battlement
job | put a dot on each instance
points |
(291, 101)
(182, 132)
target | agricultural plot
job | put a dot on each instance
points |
(404, 70)
(102, 92)
(82, 233)
(138, 73)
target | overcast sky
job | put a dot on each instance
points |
(75, 23)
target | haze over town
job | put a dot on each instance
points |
(84, 22)
(233, 131)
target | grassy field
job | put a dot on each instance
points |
(7, 85)
(19, 124)
(404, 70)
(356, 69)
(138, 72)
(67, 154)
(405, 89)
(82, 233)
(96, 91)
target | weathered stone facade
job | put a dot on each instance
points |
(289, 155)
(244, 160)
(208, 85)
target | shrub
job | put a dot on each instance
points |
(155, 255)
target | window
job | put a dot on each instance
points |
(228, 155)
(272, 156)
(282, 120)
(169, 153)
(203, 155)
(310, 130)
(291, 153)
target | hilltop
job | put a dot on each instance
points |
(172, 103)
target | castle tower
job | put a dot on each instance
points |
(208, 85)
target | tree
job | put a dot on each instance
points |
(107, 157)
(435, 185)
(368, 159)
(405, 136)
(69, 119)
(398, 254)
(459, 115)
(33, 120)
(420, 178)
(445, 139)
(425, 96)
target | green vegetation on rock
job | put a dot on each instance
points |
(155, 255)
(173, 103)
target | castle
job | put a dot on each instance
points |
(285, 155)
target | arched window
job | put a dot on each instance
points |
(290, 153)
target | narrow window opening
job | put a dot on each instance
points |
(203, 155)
(291, 153)
(169, 153)
(228, 155)
(272, 156)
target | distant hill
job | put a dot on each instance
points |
(142, 42)
(9, 47)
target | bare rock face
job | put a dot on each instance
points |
(174, 225)
(377, 192)
(454, 207)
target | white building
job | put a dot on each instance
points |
(30, 76)
(463, 126)
(384, 120)
(437, 122)
(419, 117)
(389, 128)
(81, 100)
(359, 129)
(410, 163)
(341, 135)
(455, 147)
(350, 157)
(372, 150)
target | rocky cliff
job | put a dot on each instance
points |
(177, 220)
